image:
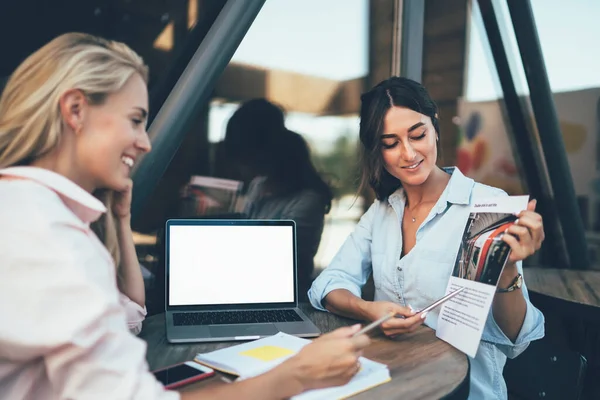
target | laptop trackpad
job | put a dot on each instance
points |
(243, 330)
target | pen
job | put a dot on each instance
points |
(375, 324)
(381, 320)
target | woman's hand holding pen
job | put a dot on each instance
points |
(330, 360)
(394, 326)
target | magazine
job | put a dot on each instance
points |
(207, 196)
(478, 266)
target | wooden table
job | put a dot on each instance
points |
(571, 291)
(421, 365)
(570, 301)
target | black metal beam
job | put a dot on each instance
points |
(530, 161)
(191, 90)
(550, 135)
(411, 43)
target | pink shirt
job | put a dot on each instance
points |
(64, 325)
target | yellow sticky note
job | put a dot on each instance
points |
(267, 353)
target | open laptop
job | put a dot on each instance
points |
(232, 280)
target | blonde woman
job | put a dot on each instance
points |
(72, 124)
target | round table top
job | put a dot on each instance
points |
(421, 365)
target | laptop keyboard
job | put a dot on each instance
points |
(234, 317)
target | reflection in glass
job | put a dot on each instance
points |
(316, 75)
(484, 151)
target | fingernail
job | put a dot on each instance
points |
(411, 308)
(424, 315)
(517, 221)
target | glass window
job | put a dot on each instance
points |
(299, 59)
(568, 37)
(484, 148)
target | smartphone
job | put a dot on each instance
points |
(182, 374)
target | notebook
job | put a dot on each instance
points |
(259, 356)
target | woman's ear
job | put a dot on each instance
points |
(73, 104)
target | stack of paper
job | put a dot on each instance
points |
(254, 358)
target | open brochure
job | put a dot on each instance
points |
(206, 196)
(478, 266)
(254, 358)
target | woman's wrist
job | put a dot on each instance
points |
(123, 224)
(508, 275)
(285, 381)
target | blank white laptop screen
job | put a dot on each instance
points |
(227, 264)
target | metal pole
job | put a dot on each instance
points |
(549, 132)
(413, 22)
(530, 160)
(191, 90)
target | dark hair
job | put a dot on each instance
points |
(392, 92)
(256, 138)
(289, 169)
(254, 122)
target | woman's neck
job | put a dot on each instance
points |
(63, 166)
(428, 191)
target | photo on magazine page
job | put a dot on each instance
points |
(483, 253)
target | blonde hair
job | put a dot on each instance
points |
(31, 123)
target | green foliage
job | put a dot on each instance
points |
(340, 165)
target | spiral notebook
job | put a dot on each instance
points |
(254, 358)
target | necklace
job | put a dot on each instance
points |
(412, 217)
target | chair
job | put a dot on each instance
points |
(545, 371)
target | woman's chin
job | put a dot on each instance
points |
(416, 179)
(118, 185)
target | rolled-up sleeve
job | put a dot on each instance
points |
(73, 325)
(532, 329)
(351, 266)
(134, 313)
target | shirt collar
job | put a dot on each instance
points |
(83, 204)
(458, 190)
(459, 187)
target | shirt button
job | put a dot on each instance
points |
(399, 268)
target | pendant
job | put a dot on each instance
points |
(414, 219)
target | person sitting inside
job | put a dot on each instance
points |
(282, 181)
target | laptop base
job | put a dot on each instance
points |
(238, 332)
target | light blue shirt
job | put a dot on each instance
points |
(421, 276)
